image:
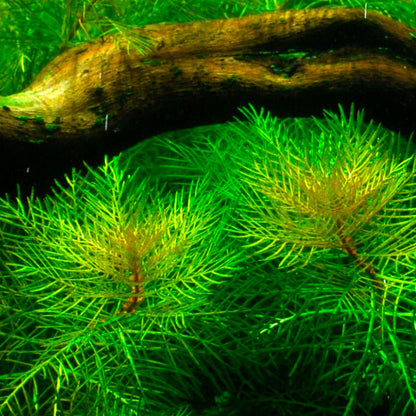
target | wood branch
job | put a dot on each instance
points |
(104, 96)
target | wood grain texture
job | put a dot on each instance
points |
(104, 96)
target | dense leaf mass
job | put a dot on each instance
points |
(272, 263)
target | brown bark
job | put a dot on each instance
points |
(104, 96)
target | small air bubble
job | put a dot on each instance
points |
(106, 122)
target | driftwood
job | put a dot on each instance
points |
(104, 96)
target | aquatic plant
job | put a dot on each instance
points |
(100, 279)
(265, 266)
(328, 206)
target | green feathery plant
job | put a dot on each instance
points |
(261, 267)
(348, 187)
(98, 283)
(340, 206)
(344, 180)
(329, 207)
(271, 272)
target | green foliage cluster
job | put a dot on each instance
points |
(68, 262)
(276, 265)
(267, 265)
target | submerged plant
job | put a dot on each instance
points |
(328, 207)
(347, 186)
(344, 181)
(127, 292)
(334, 201)
(103, 269)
